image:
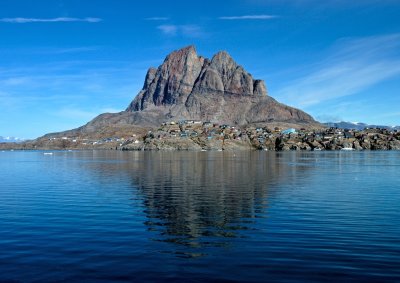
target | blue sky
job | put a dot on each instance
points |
(65, 61)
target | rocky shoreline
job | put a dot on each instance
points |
(198, 135)
(207, 136)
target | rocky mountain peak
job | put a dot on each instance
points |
(189, 86)
(184, 74)
(181, 54)
(179, 61)
(223, 61)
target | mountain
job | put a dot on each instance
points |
(189, 86)
(11, 139)
(358, 126)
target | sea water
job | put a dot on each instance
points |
(101, 216)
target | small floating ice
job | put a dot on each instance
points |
(48, 153)
(347, 148)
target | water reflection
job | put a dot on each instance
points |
(201, 199)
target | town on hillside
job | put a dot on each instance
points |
(206, 135)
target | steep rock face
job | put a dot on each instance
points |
(188, 86)
(172, 82)
(184, 73)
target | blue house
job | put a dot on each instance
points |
(289, 131)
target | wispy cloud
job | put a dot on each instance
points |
(168, 29)
(185, 30)
(157, 19)
(191, 30)
(352, 66)
(249, 17)
(79, 90)
(71, 50)
(59, 83)
(48, 20)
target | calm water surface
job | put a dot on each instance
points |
(101, 216)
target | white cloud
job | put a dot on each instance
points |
(191, 30)
(157, 19)
(168, 29)
(352, 66)
(185, 30)
(50, 20)
(249, 17)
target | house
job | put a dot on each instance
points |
(196, 122)
(348, 135)
(289, 131)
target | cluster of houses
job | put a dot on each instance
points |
(85, 142)
(340, 139)
(213, 135)
(278, 138)
(193, 128)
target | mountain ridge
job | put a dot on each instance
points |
(9, 139)
(358, 125)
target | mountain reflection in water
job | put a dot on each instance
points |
(198, 199)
